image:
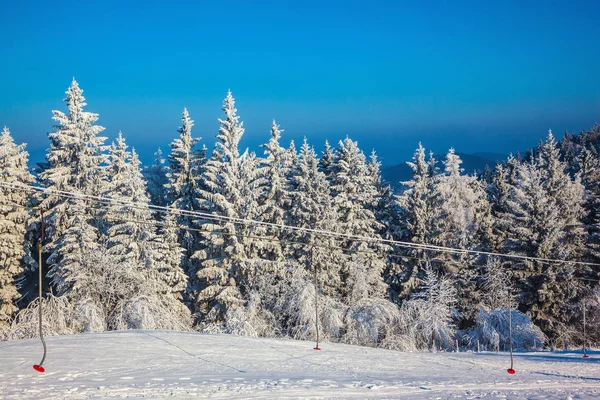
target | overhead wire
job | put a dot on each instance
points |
(347, 251)
(243, 221)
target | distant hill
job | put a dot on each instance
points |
(471, 163)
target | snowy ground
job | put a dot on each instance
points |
(160, 364)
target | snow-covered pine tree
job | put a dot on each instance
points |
(156, 177)
(185, 168)
(74, 163)
(222, 194)
(13, 222)
(354, 197)
(417, 205)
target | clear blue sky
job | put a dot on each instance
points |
(479, 76)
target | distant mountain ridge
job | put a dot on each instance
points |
(471, 163)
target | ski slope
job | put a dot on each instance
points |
(165, 364)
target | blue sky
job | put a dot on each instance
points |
(479, 76)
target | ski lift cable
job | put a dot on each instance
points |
(160, 224)
(243, 221)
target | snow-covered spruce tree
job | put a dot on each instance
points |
(385, 208)
(169, 255)
(128, 237)
(463, 221)
(273, 202)
(70, 250)
(354, 197)
(580, 153)
(567, 194)
(558, 288)
(544, 222)
(326, 160)
(134, 244)
(156, 178)
(13, 222)
(311, 208)
(290, 158)
(417, 205)
(222, 194)
(499, 194)
(74, 163)
(185, 168)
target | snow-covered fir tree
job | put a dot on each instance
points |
(128, 236)
(222, 194)
(68, 261)
(157, 180)
(326, 160)
(566, 193)
(185, 168)
(135, 244)
(274, 196)
(417, 210)
(13, 222)
(311, 208)
(354, 197)
(542, 225)
(387, 213)
(74, 163)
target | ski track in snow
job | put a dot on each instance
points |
(163, 364)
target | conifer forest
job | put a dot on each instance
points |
(298, 239)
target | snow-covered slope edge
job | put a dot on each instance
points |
(159, 364)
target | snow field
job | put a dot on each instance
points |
(167, 364)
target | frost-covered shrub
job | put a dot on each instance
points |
(592, 305)
(251, 320)
(492, 331)
(148, 312)
(366, 321)
(90, 315)
(59, 317)
(295, 306)
(5, 323)
(428, 318)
